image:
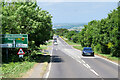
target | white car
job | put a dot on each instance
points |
(55, 43)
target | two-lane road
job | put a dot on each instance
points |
(68, 62)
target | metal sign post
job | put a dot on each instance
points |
(7, 54)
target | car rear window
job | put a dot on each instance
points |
(87, 49)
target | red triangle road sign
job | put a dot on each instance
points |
(20, 52)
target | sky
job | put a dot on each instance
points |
(77, 12)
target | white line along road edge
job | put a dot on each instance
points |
(96, 55)
(50, 64)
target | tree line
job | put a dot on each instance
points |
(102, 35)
(26, 18)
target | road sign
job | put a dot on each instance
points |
(20, 52)
(14, 40)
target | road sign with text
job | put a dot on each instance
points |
(14, 40)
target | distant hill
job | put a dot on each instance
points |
(69, 25)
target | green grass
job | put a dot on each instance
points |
(49, 43)
(108, 56)
(78, 47)
(0, 72)
(45, 46)
(18, 69)
(39, 52)
(14, 70)
(115, 59)
(70, 42)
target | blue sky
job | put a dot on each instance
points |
(77, 12)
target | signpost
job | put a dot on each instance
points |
(13, 41)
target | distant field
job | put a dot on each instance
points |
(69, 25)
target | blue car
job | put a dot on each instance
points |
(87, 51)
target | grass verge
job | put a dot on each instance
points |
(70, 42)
(107, 56)
(13, 70)
(18, 69)
(78, 47)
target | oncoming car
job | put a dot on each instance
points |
(55, 40)
(55, 43)
(87, 51)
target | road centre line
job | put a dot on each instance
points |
(83, 61)
(85, 65)
(94, 72)
(88, 65)
(95, 55)
(79, 57)
(78, 61)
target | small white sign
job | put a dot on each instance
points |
(20, 56)
(6, 45)
(21, 45)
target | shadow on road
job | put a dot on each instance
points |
(56, 59)
(39, 58)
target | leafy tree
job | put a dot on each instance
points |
(103, 35)
(26, 18)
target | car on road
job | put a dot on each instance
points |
(55, 43)
(57, 36)
(55, 40)
(87, 51)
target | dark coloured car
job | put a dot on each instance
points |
(54, 40)
(87, 51)
(57, 36)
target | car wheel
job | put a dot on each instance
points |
(92, 54)
(82, 54)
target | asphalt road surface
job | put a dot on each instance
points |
(67, 62)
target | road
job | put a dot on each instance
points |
(67, 62)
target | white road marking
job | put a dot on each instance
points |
(95, 56)
(78, 61)
(88, 65)
(85, 65)
(108, 60)
(47, 75)
(88, 57)
(94, 72)
(83, 61)
(75, 56)
(79, 57)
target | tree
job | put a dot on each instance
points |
(26, 18)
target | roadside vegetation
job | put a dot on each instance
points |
(25, 18)
(18, 68)
(102, 35)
